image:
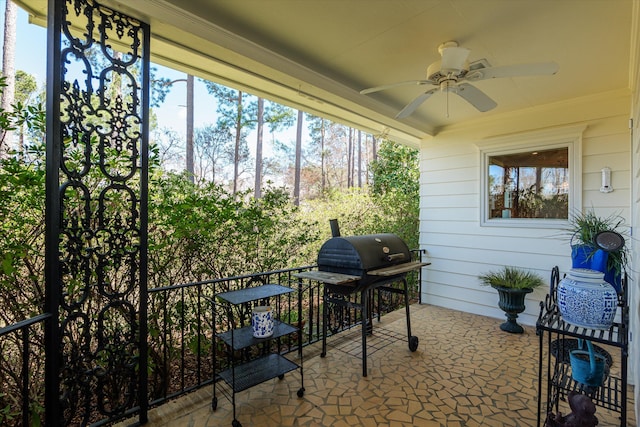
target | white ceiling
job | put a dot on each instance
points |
(317, 55)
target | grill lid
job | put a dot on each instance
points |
(357, 255)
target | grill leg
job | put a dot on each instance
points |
(413, 341)
(364, 299)
(370, 302)
(324, 322)
(406, 305)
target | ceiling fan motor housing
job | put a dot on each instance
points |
(437, 75)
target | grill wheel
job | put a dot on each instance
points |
(413, 343)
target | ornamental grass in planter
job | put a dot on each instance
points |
(584, 227)
(512, 284)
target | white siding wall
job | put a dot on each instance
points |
(460, 249)
(634, 312)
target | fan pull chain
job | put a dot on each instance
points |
(447, 102)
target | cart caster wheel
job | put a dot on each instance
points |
(323, 354)
(214, 403)
(301, 392)
(281, 376)
(236, 423)
(413, 343)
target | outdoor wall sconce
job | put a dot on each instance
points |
(606, 181)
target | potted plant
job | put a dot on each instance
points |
(512, 284)
(584, 227)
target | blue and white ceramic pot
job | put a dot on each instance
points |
(586, 300)
(262, 321)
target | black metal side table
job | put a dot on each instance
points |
(242, 375)
(554, 370)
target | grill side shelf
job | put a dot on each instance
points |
(398, 269)
(328, 277)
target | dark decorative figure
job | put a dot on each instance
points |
(582, 413)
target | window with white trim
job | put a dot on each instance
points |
(530, 180)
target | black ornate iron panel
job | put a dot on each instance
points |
(97, 205)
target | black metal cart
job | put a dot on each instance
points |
(554, 370)
(242, 374)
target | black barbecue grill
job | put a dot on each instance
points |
(359, 264)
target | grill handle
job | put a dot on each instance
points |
(395, 257)
(335, 228)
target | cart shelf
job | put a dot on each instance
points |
(243, 337)
(257, 371)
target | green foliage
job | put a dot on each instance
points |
(585, 226)
(26, 86)
(531, 203)
(23, 112)
(396, 169)
(278, 116)
(202, 231)
(360, 212)
(512, 277)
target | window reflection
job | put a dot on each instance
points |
(531, 184)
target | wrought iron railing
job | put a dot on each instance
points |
(180, 338)
(181, 324)
(22, 372)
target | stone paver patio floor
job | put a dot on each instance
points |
(465, 372)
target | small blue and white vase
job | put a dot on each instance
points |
(586, 300)
(262, 321)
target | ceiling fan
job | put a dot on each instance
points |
(452, 73)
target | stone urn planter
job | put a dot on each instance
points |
(512, 284)
(511, 301)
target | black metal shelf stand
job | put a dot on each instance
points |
(555, 369)
(242, 375)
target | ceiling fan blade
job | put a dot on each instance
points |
(411, 107)
(475, 97)
(454, 58)
(518, 70)
(392, 85)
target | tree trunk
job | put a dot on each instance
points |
(349, 159)
(322, 155)
(296, 179)
(374, 148)
(8, 68)
(190, 168)
(367, 157)
(360, 159)
(236, 154)
(258, 184)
